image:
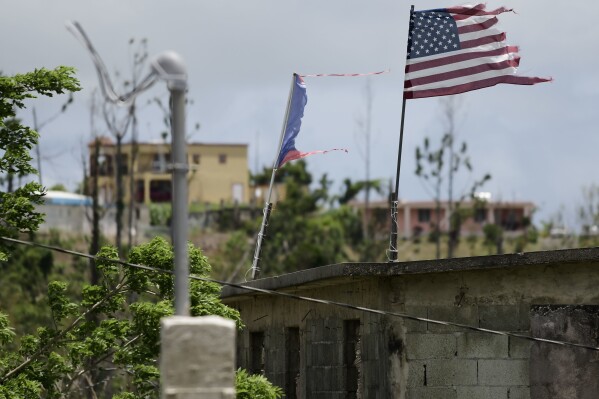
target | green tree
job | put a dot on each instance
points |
(17, 207)
(433, 165)
(74, 354)
(493, 238)
(352, 189)
(300, 234)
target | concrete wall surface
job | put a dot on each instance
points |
(197, 358)
(394, 357)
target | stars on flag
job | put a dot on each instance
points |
(432, 32)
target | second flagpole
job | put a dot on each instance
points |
(268, 204)
(393, 251)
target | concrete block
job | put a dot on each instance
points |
(519, 348)
(464, 315)
(482, 393)
(431, 393)
(519, 393)
(323, 354)
(330, 329)
(416, 372)
(451, 372)
(197, 359)
(503, 317)
(503, 372)
(317, 328)
(480, 346)
(437, 373)
(430, 346)
(413, 325)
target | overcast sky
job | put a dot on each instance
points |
(538, 142)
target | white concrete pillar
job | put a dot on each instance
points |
(197, 359)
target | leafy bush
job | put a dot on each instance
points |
(160, 214)
(255, 387)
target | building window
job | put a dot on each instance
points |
(292, 361)
(424, 215)
(160, 161)
(222, 158)
(195, 158)
(257, 352)
(160, 191)
(351, 357)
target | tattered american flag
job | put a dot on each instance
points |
(458, 49)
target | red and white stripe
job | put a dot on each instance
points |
(484, 59)
(295, 154)
(319, 75)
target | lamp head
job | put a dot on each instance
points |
(170, 67)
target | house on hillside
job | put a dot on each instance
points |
(415, 218)
(218, 173)
(316, 350)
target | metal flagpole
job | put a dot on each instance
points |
(268, 204)
(393, 252)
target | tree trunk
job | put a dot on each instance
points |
(120, 205)
(94, 246)
(132, 192)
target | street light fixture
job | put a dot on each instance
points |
(168, 66)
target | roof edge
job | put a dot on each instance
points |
(386, 269)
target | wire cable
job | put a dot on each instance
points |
(309, 299)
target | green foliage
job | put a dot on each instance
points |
(255, 387)
(114, 325)
(352, 189)
(300, 235)
(24, 281)
(17, 207)
(295, 171)
(6, 332)
(434, 165)
(493, 238)
(160, 214)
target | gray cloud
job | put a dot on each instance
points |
(538, 142)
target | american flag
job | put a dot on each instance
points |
(458, 49)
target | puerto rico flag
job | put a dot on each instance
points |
(299, 99)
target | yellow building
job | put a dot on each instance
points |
(218, 172)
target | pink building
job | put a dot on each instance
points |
(415, 218)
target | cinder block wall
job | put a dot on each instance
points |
(407, 359)
(322, 341)
(447, 362)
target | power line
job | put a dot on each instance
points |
(308, 299)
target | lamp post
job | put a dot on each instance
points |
(168, 66)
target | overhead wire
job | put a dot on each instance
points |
(309, 299)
